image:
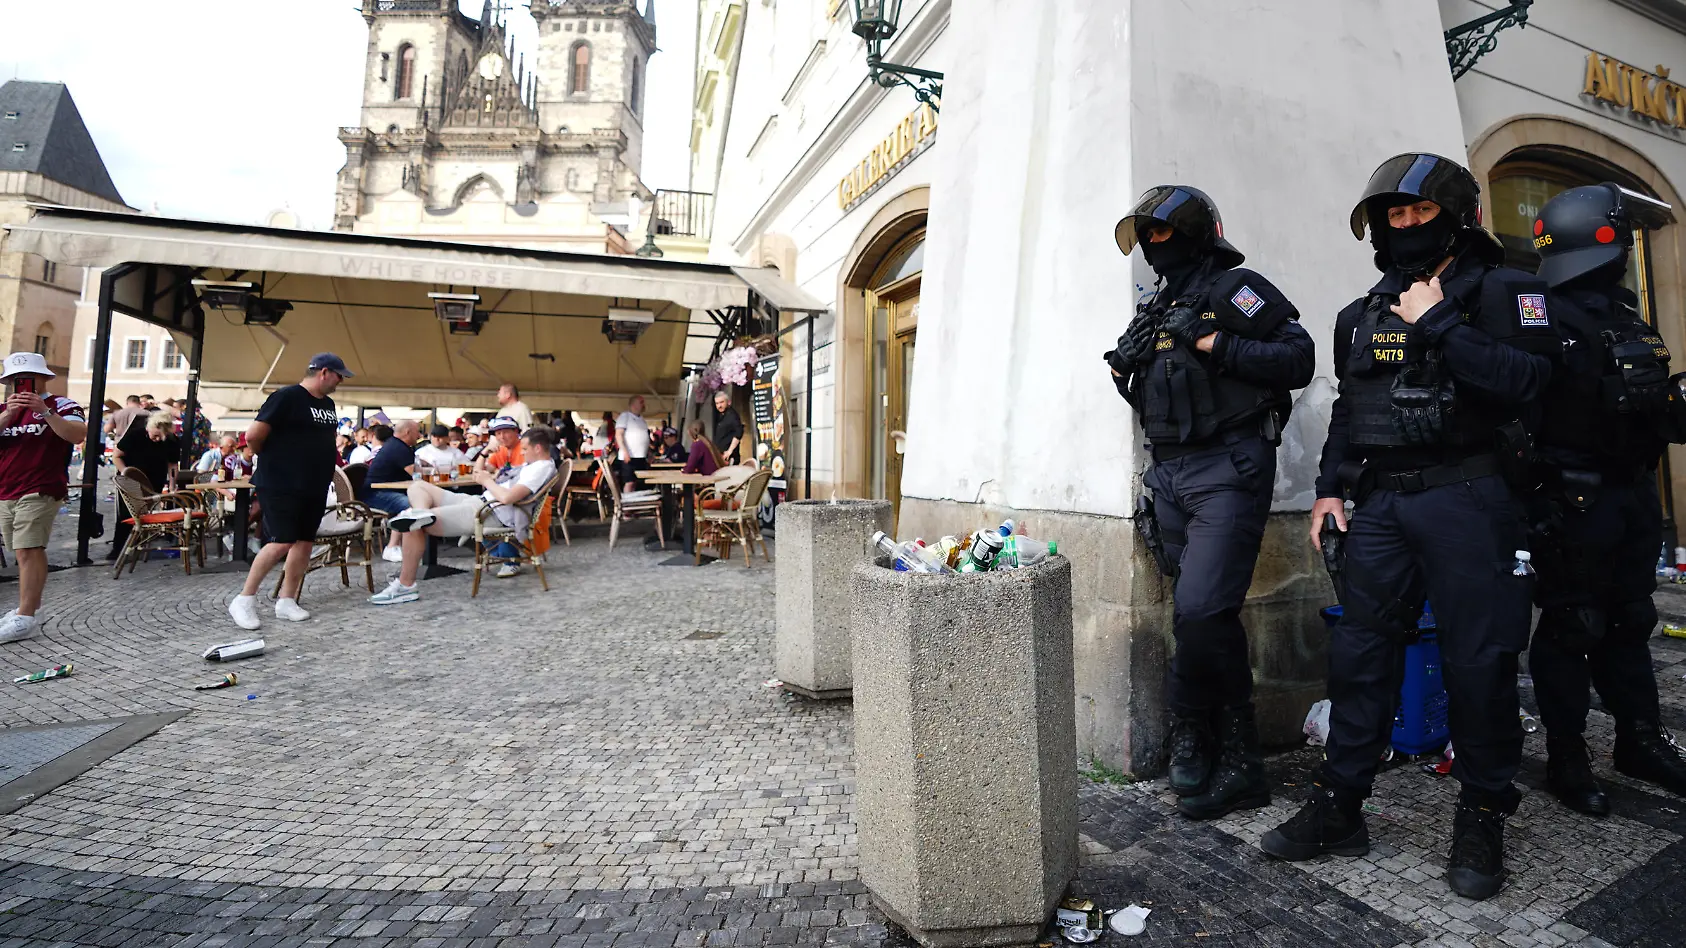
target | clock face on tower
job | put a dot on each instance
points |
(491, 66)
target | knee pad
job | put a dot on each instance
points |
(1633, 621)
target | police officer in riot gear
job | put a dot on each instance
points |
(1438, 364)
(1208, 364)
(1608, 415)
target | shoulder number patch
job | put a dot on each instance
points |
(1531, 310)
(1247, 301)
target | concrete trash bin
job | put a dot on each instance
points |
(820, 544)
(965, 750)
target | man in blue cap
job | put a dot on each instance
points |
(293, 436)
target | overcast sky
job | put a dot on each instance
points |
(229, 109)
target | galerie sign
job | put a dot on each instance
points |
(911, 136)
(1645, 95)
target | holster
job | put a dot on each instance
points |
(1357, 478)
(1147, 525)
(1515, 452)
(1334, 556)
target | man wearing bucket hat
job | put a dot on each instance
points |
(37, 434)
(1208, 364)
(1441, 364)
(293, 435)
(1608, 416)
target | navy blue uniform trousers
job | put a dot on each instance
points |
(1610, 567)
(1211, 506)
(1456, 544)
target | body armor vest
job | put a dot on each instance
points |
(1185, 400)
(1589, 407)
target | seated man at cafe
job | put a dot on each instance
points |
(435, 511)
(394, 462)
(440, 454)
(672, 451)
(504, 450)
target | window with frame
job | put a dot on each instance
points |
(405, 86)
(49, 271)
(44, 347)
(172, 356)
(637, 86)
(580, 80)
(134, 355)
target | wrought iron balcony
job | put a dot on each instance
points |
(683, 214)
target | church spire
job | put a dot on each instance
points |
(650, 12)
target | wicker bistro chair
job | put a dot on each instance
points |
(177, 516)
(640, 505)
(739, 520)
(584, 493)
(215, 511)
(488, 533)
(351, 534)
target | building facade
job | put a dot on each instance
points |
(1008, 305)
(46, 157)
(463, 137)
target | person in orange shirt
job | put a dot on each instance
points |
(505, 450)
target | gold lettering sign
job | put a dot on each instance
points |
(910, 136)
(1644, 95)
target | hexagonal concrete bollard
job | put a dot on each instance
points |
(965, 750)
(820, 544)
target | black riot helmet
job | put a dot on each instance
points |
(1188, 211)
(1418, 176)
(1590, 227)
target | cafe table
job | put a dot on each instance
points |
(242, 487)
(430, 560)
(688, 515)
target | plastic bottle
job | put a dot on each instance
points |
(949, 547)
(930, 554)
(1020, 551)
(903, 555)
(1524, 565)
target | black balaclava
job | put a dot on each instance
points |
(1419, 249)
(1175, 253)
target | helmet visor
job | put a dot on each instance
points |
(1418, 177)
(1175, 206)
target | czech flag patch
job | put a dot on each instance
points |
(1249, 302)
(1531, 310)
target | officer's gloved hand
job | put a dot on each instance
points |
(1421, 405)
(1186, 326)
(1136, 345)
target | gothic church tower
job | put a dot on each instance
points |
(461, 140)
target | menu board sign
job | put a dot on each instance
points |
(766, 398)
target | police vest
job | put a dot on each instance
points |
(1508, 305)
(1583, 406)
(1185, 400)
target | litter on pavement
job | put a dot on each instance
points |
(57, 671)
(234, 650)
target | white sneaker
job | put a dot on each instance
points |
(16, 628)
(290, 610)
(411, 519)
(393, 554)
(244, 610)
(395, 593)
(507, 571)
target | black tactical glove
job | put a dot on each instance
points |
(1422, 404)
(1644, 377)
(1136, 345)
(1186, 326)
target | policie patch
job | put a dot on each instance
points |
(1247, 301)
(1531, 310)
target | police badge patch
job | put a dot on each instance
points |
(1531, 310)
(1249, 302)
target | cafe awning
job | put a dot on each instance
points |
(366, 298)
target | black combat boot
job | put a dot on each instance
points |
(1238, 781)
(1646, 752)
(1191, 754)
(1569, 776)
(1476, 867)
(1332, 821)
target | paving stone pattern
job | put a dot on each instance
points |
(582, 769)
(23, 751)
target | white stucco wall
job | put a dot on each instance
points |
(1280, 110)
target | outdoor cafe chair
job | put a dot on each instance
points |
(349, 528)
(584, 492)
(639, 505)
(488, 534)
(739, 521)
(214, 505)
(177, 516)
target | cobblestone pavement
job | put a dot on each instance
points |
(570, 769)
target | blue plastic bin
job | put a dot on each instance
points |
(1419, 723)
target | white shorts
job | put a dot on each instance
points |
(457, 512)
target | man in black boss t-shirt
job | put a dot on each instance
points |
(294, 436)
